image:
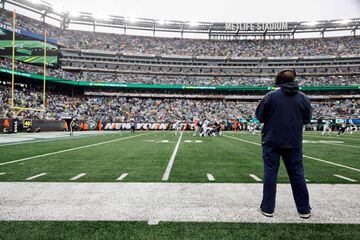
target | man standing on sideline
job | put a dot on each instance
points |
(284, 112)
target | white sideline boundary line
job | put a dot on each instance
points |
(36, 176)
(256, 178)
(70, 149)
(305, 156)
(172, 159)
(49, 140)
(77, 177)
(210, 177)
(122, 177)
(342, 177)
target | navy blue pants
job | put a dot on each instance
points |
(292, 158)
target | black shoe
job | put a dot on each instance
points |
(266, 214)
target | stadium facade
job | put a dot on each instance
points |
(166, 74)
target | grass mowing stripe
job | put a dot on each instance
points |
(305, 156)
(70, 149)
(171, 161)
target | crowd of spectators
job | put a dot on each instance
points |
(125, 109)
(179, 80)
(193, 47)
(215, 81)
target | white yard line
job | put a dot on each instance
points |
(342, 177)
(332, 163)
(70, 149)
(210, 177)
(339, 138)
(36, 176)
(307, 180)
(305, 156)
(256, 178)
(172, 159)
(342, 145)
(77, 177)
(122, 177)
(3, 173)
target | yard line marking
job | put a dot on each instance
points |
(341, 137)
(332, 163)
(210, 177)
(305, 156)
(77, 177)
(122, 177)
(172, 159)
(256, 178)
(3, 173)
(70, 149)
(242, 140)
(349, 179)
(332, 143)
(307, 180)
(36, 176)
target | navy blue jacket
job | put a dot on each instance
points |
(284, 112)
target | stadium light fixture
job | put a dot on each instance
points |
(131, 20)
(194, 24)
(310, 23)
(74, 14)
(35, 1)
(100, 16)
(162, 22)
(343, 22)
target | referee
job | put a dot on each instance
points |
(284, 112)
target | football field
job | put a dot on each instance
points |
(147, 156)
(158, 185)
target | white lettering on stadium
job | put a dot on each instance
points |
(273, 26)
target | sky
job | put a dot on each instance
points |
(219, 11)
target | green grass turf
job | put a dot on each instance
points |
(166, 230)
(228, 160)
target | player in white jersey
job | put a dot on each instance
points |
(352, 128)
(178, 127)
(205, 128)
(327, 129)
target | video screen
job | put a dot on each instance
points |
(28, 49)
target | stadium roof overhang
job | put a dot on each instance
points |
(221, 30)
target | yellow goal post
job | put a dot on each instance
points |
(20, 108)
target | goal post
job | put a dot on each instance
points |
(20, 108)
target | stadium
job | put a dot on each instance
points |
(137, 127)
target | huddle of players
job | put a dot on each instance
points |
(201, 128)
(328, 126)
